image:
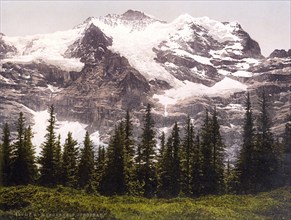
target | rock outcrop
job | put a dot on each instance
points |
(280, 53)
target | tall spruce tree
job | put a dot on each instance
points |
(70, 157)
(245, 166)
(47, 158)
(169, 176)
(176, 161)
(266, 157)
(18, 169)
(30, 155)
(100, 167)
(196, 168)
(187, 153)
(207, 171)
(160, 156)
(114, 179)
(164, 172)
(129, 153)
(58, 161)
(23, 158)
(287, 152)
(163, 143)
(218, 154)
(6, 156)
(86, 166)
(1, 165)
(146, 167)
(212, 151)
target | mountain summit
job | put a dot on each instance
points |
(134, 15)
(96, 71)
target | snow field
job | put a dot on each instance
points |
(49, 48)
(225, 87)
(62, 127)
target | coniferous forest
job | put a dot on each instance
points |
(151, 165)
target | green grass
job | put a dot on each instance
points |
(33, 202)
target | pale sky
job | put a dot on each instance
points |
(267, 22)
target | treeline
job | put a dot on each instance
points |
(191, 165)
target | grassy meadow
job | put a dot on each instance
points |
(34, 202)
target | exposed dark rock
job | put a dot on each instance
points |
(5, 49)
(134, 15)
(34, 72)
(251, 48)
(280, 53)
(270, 64)
(91, 47)
(107, 85)
(159, 85)
(183, 69)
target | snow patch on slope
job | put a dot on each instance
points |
(49, 48)
(219, 31)
(137, 46)
(225, 87)
(200, 59)
(62, 127)
(242, 73)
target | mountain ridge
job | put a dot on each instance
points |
(96, 71)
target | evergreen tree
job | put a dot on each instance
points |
(287, 152)
(196, 170)
(1, 165)
(86, 165)
(169, 176)
(100, 167)
(23, 172)
(207, 171)
(160, 156)
(70, 156)
(129, 153)
(266, 158)
(58, 161)
(146, 172)
(163, 143)
(245, 165)
(114, 179)
(6, 156)
(165, 171)
(187, 153)
(47, 159)
(218, 154)
(18, 170)
(176, 161)
(212, 151)
(30, 155)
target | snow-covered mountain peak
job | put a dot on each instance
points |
(220, 31)
(184, 19)
(131, 20)
(134, 15)
(142, 40)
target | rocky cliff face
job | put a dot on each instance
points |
(107, 84)
(281, 53)
(5, 49)
(104, 66)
